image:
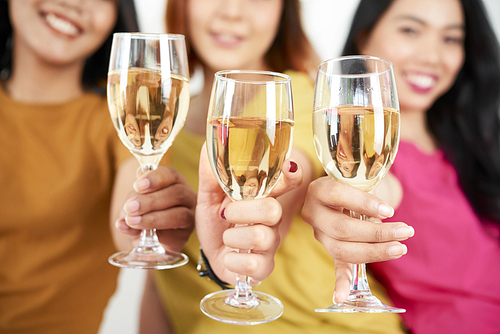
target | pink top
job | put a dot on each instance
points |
(449, 282)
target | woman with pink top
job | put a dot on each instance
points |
(445, 182)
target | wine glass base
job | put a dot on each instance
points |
(364, 303)
(260, 309)
(136, 260)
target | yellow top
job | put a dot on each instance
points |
(304, 276)
(57, 168)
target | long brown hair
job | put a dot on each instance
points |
(291, 49)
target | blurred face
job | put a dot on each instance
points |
(61, 31)
(424, 41)
(233, 34)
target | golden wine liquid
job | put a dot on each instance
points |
(247, 153)
(147, 109)
(356, 145)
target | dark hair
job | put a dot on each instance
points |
(291, 50)
(465, 120)
(96, 66)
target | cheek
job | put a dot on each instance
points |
(105, 16)
(454, 63)
(265, 29)
(385, 48)
(197, 17)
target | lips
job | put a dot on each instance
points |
(421, 82)
(226, 39)
(62, 25)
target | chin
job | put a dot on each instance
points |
(62, 58)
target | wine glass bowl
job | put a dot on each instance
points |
(356, 136)
(148, 98)
(249, 136)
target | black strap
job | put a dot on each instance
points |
(208, 272)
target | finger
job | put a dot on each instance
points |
(173, 239)
(361, 252)
(292, 178)
(343, 196)
(172, 196)
(256, 265)
(343, 276)
(259, 238)
(162, 177)
(339, 226)
(265, 211)
(122, 226)
(178, 217)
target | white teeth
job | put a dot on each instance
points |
(420, 80)
(227, 38)
(61, 25)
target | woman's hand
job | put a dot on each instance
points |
(350, 240)
(162, 200)
(223, 226)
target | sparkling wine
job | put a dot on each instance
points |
(247, 153)
(147, 109)
(357, 145)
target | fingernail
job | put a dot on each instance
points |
(120, 225)
(222, 213)
(385, 210)
(134, 220)
(293, 167)
(404, 232)
(333, 298)
(141, 185)
(131, 206)
(398, 250)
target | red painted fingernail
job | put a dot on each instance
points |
(222, 213)
(293, 167)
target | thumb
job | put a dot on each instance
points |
(292, 178)
(343, 276)
(207, 181)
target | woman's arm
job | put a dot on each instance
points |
(153, 317)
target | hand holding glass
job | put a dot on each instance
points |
(249, 136)
(356, 136)
(148, 97)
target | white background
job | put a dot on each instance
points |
(326, 23)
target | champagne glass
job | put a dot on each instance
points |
(356, 136)
(249, 136)
(148, 97)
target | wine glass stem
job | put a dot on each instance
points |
(149, 238)
(148, 241)
(242, 289)
(359, 282)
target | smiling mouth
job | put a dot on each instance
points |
(226, 39)
(62, 26)
(421, 81)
